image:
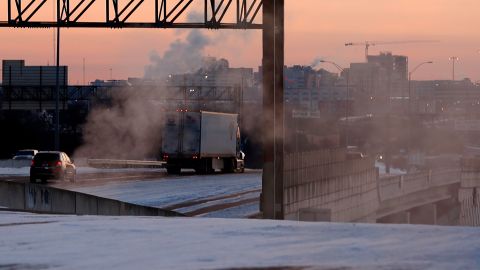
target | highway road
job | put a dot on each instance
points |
(216, 195)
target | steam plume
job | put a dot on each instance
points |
(131, 127)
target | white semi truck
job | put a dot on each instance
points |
(203, 141)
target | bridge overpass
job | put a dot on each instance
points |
(328, 186)
(420, 198)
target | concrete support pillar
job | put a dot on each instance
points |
(448, 212)
(273, 62)
(426, 214)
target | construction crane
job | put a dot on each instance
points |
(367, 44)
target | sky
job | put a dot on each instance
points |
(314, 28)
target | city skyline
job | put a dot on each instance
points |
(314, 29)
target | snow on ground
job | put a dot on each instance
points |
(30, 241)
(178, 189)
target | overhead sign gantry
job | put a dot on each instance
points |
(217, 14)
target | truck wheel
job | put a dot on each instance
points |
(173, 170)
(242, 167)
(199, 170)
(229, 166)
(204, 167)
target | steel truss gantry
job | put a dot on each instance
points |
(217, 14)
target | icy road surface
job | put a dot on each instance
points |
(177, 190)
(30, 241)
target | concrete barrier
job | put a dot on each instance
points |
(327, 180)
(10, 163)
(115, 163)
(86, 204)
(44, 199)
(391, 187)
(12, 195)
(107, 207)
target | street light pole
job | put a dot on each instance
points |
(410, 104)
(453, 59)
(57, 94)
(346, 98)
(410, 83)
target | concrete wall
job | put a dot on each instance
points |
(400, 185)
(469, 193)
(10, 163)
(326, 186)
(420, 198)
(329, 183)
(44, 199)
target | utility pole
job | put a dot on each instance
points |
(453, 59)
(84, 71)
(342, 70)
(57, 93)
(410, 115)
(273, 112)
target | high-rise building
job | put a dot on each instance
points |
(380, 82)
(395, 66)
(16, 73)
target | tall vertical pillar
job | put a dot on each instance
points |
(273, 117)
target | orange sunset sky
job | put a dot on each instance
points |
(314, 28)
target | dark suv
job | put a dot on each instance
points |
(52, 165)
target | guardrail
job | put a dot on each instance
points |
(115, 163)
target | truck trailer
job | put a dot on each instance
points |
(203, 141)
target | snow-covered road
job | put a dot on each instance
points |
(202, 190)
(217, 195)
(30, 241)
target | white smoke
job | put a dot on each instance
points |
(180, 57)
(131, 127)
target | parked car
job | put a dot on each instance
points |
(52, 165)
(25, 154)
